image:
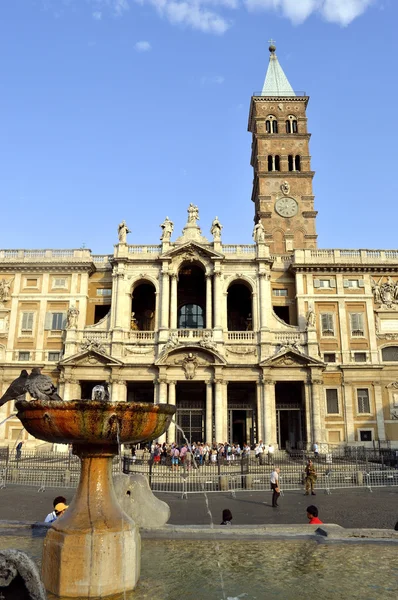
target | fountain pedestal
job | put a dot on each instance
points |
(95, 541)
(94, 549)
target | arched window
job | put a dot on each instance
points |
(390, 354)
(143, 306)
(271, 124)
(297, 166)
(191, 316)
(239, 307)
(274, 163)
(291, 124)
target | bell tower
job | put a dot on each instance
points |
(282, 183)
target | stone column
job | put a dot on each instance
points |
(225, 412)
(209, 412)
(317, 429)
(171, 432)
(379, 412)
(255, 319)
(119, 390)
(209, 304)
(162, 400)
(269, 413)
(263, 299)
(72, 389)
(217, 300)
(347, 402)
(260, 411)
(308, 412)
(173, 302)
(164, 323)
(218, 410)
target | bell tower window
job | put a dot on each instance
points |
(274, 163)
(294, 162)
(271, 124)
(291, 124)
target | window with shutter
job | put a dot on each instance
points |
(357, 328)
(324, 283)
(327, 324)
(332, 402)
(363, 401)
(23, 355)
(27, 321)
(316, 283)
(56, 322)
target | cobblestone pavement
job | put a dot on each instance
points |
(349, 508)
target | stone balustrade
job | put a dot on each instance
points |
(55, 256)
(241, 336)
(325, 256)
(142, 336)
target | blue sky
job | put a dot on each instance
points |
(115, 109)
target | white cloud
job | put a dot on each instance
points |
(97, 15)
(335, 11)
(142, 46)
(117, 7)
(192, 14)
(217, 79)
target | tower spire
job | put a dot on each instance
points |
(276, 83)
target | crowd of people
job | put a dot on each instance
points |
(199, 453)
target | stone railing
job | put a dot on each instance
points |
(97, 336)
(142, 336)
(240, 336)
(102, 258)
(242, 249)
(191, 334)
(345, 256)
(81, 255)
(286, 338)
(139, 250)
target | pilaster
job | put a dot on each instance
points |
(173, 301)
(269, 412)
(209, 412)
(381, 433)
(209, 303)
(171, 432)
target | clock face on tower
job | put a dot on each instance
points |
(286, 207)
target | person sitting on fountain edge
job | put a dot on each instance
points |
(226, 517)
(51, 517)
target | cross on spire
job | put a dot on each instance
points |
(272, 42)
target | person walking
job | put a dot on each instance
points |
(18, 451)
(274, 480)
(310, 478)
(271, 451)
(316, 450)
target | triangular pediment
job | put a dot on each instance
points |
(290, 357)
(192, 250)
(90, 357)
(203, 356)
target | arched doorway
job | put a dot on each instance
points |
(143, 307)
(191, 297)
(239, 307)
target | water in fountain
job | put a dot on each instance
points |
(208, 510)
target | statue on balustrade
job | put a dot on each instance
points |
(71, 317)
(216, 229)
(259, 233)
(167, 229)
(122, 232)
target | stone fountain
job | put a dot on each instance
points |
(94, 549)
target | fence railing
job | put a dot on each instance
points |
(354, 467)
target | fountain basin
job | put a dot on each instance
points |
(94, 422)
(94, 549)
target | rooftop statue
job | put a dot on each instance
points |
(167, 229)
(122, 232)
(216, 229)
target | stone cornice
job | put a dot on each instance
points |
(47, 267)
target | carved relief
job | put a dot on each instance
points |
(190, 364)
(5, 285)
(285, 188)
(385, 294)
(242, 350)
(136, 349)
(207, 341)
(172, 342)
(92, 345)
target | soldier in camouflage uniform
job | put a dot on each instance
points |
(310, 478)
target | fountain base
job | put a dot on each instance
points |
(94, 549)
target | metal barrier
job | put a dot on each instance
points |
(348, 468)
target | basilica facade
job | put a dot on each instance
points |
(277, 340)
